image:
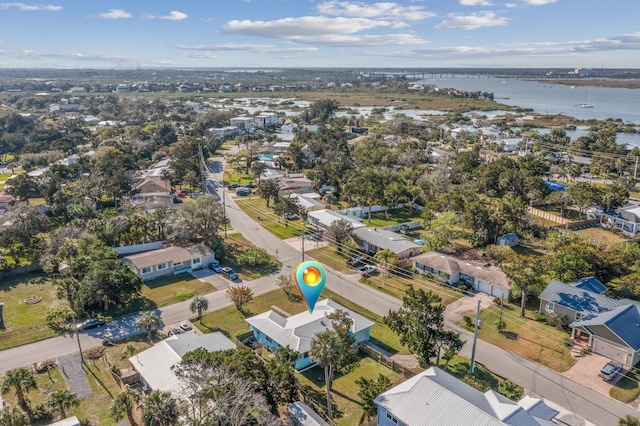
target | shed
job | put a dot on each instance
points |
(510, 240)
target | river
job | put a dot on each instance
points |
(545, 98)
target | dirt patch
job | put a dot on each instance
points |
(466, 306)
(31, 300)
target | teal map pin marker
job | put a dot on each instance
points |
(310, 278)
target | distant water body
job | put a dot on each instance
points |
(545, 98)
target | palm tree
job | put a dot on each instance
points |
(147, 320)
(62, 400)
(13, 416)
(160, 409)
(123, 405)
(387, 258)
(325, 351)
(200, 305)
(21, 380)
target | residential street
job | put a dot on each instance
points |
(537, 380)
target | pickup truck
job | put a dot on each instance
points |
(367, 270)
(355, 261)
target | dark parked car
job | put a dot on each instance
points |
(174, 331)
(229, 273)
(610, 370)
(233, 186)
(250, 185)
(90, 323)
(243, 192)
(215, 267)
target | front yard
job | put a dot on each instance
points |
(257, 209)
(534, 340)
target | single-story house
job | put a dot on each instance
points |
(510, 240)
(154, 364)
(308, 201)
(291, 185)
(614, 334)
(169, 260)
(69, 421)
(296, 332)
(372, 240)
(483, 277)
(150, 188)
(436, 398)
(324, 218)
(574, 302)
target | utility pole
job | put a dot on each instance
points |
(78, 339)
(501, 305)
(224, 211)
(302, 245)
(475, 340)
(635, 170)
(203, 168)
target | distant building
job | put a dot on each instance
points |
(243, 123)
(122, 88)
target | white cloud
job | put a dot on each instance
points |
(174, 15)
(473, 21)
(323, 30)
(31, 7)
(115, 14)
(538, 2)
(388, 10)
(475, 3)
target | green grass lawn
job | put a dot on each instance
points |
(627, 388)
(174, 288)
(534, 340)
(459, 367)
(344, 394)
(236, 243)
(26, 323)
(394, 217)
(275, 224)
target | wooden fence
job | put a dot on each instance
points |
(548, 216)
(22, 270)
(383, 359)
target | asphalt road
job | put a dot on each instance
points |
(536, 379)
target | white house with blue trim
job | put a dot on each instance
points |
(296, 332)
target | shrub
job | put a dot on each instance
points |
(510, 390)
(585, 351)
(500, 326)
(476, 383)
(540, 317)
(467, 323)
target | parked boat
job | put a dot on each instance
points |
(588, 104)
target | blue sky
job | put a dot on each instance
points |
(304, 33)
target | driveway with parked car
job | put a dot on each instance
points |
(586, 371)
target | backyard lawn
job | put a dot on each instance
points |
(344, 394)
(394, 217)
(534, 340)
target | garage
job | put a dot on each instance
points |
(498, 291)
(608, 349)
(483, 286)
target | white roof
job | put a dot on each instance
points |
(445, 400)
(385, 239)
(327, 217)
(154, 364)
(297, 331)
(69, 421)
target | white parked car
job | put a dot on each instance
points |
(367, 270)
(610, 370)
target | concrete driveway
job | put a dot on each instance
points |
(585, 371)
(215, 279)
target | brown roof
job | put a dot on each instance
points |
(451, 265)
(151, 185)
(168, 254)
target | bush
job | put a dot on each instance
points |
(476, 383)
(567, 342)
(467, 323)
(510, 390)
(253, 256)
(500, 326)
(585, 351)
(540, 317)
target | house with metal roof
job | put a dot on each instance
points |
(273, 330)
(614, 334)
(372, 240)
(482, 277)
(435, 397)
(573, 301)
(154, 364)
(324, 218)
(300, 414)
(169, 260)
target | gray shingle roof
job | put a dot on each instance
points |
(577, 299)
(623, 321)
(452, 265)
(169, 254)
